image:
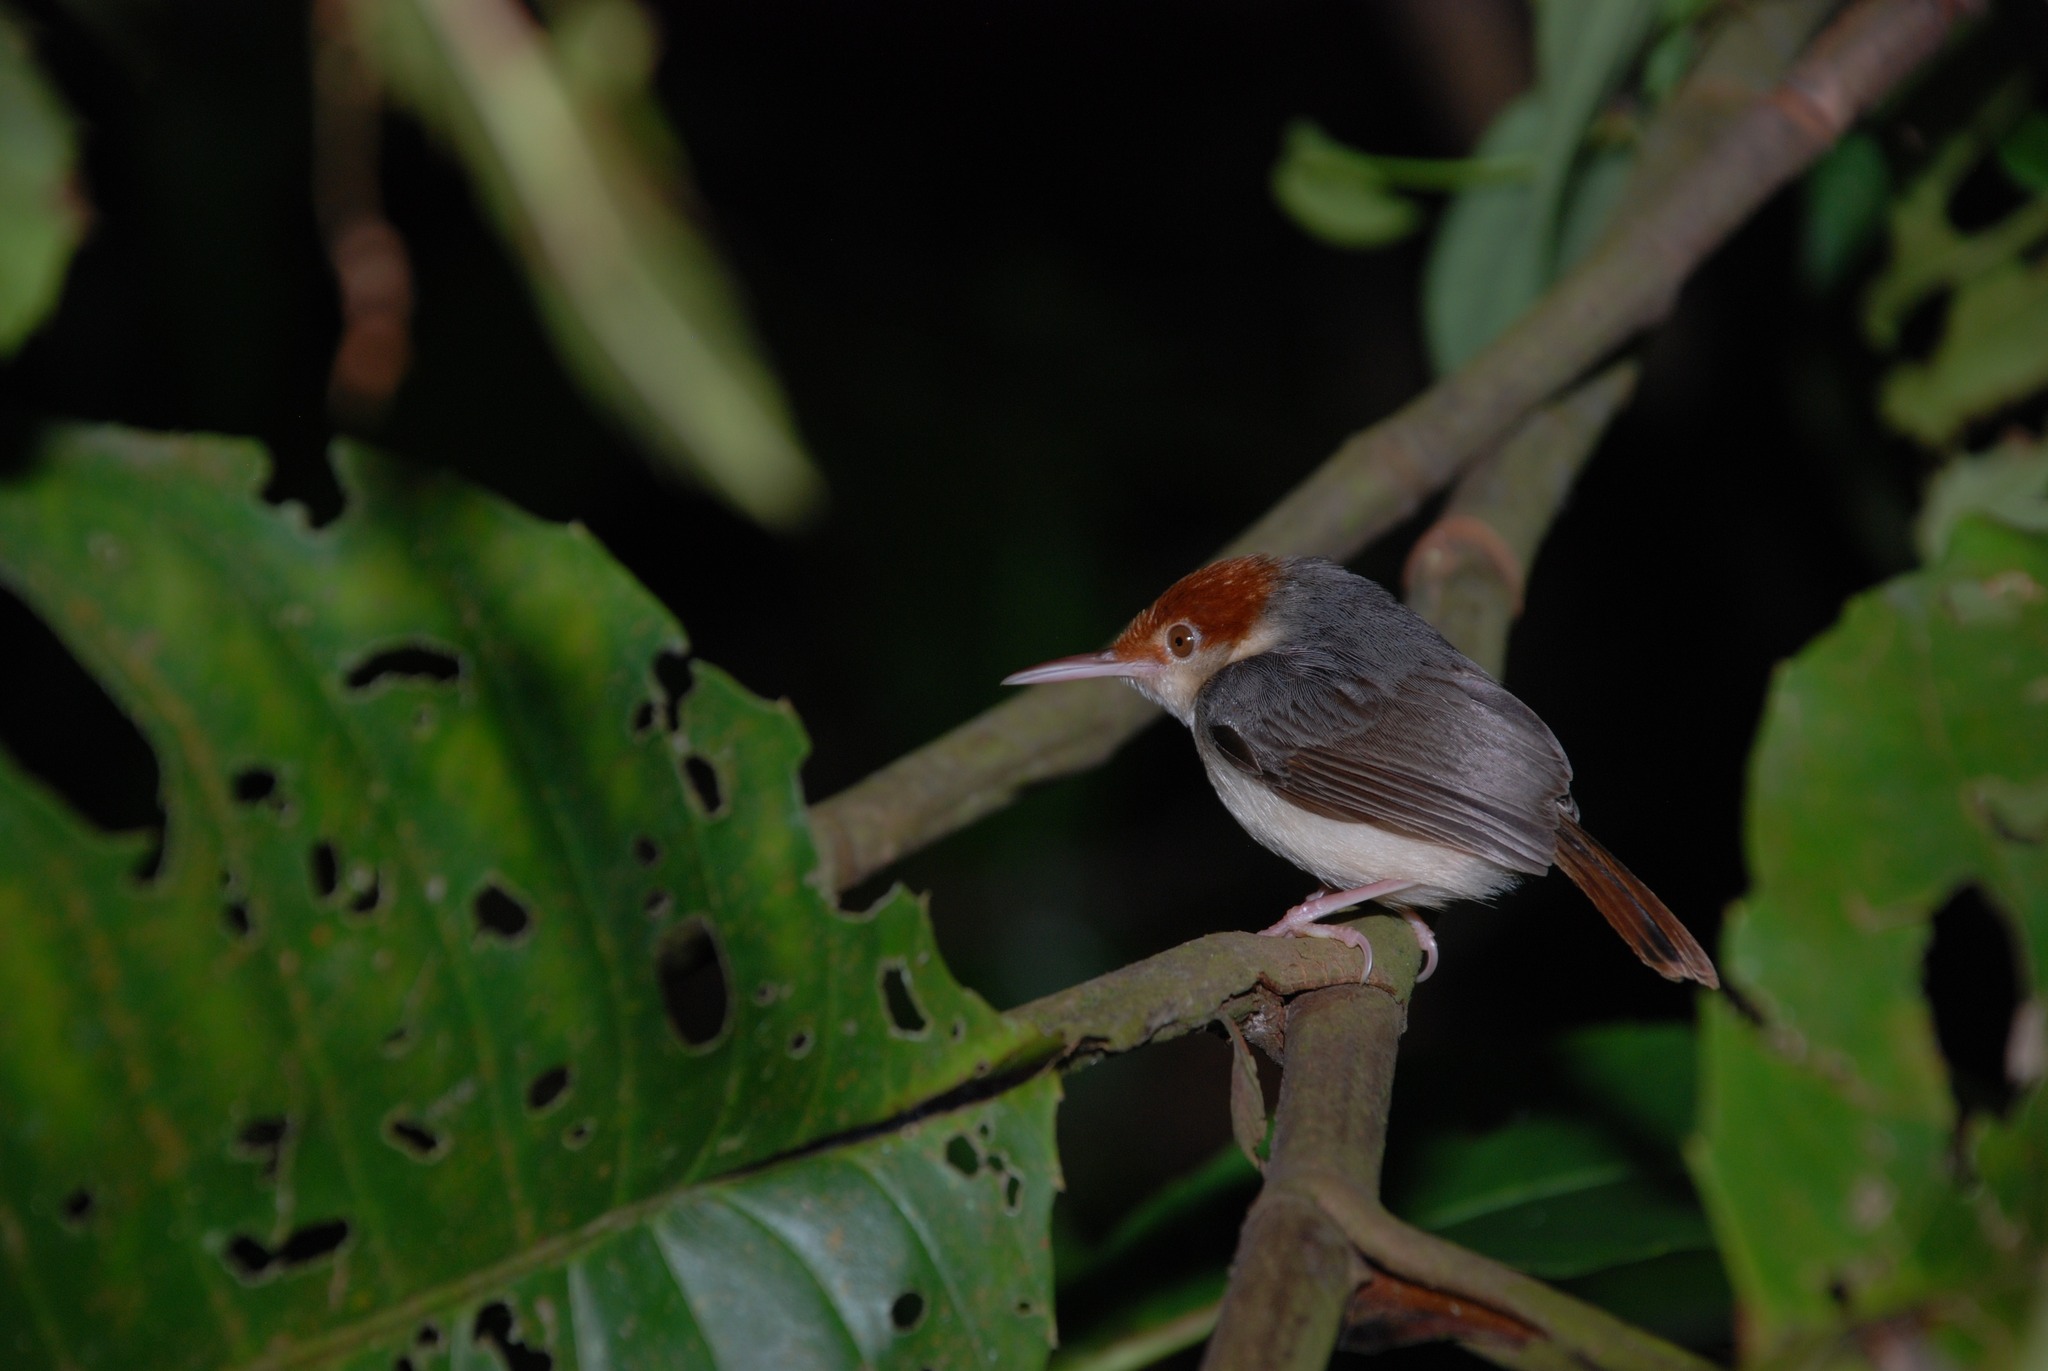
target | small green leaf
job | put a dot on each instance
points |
(1844, 198)
(42, 216)
(1337, 194)
(2023, 153)
(1993, 353)
(1149, 1331)
(2009, 485)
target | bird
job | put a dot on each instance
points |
(1348, 736)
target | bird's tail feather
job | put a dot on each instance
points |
(1634, 911)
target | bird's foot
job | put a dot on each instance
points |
(1426, 937)
(1300, 921)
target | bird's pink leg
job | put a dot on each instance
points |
(1300, 921)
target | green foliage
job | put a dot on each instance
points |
(1500, 245)
(1902, 760)
(1993, 349)
(574, 161)
(41, 215)
(475, 932)
(1351, 199)
(1846, 194)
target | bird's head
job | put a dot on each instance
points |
(1205, 621)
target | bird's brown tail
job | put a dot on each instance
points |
(1635, 912)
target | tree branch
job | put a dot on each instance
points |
(1379, 476)
(1466, 573)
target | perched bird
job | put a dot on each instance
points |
(1346, 735)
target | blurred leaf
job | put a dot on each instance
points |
(1499, 246)
(1639, 1074)
(1554, 1197)
(1347, 198)
(2009, 485)
(1928, 255)
(42, 216)
(1829, 1153)
(2024, 152)
(1337, 194)
(1682, 1296)
(1227, 1173)
(1993, 353)
(1150, 1331)
(583, 181)
(483, 982)
(1844, 199)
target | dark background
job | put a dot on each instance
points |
(1051, 344)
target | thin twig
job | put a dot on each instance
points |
(1379, 476)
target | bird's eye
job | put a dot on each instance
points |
(1180, 640)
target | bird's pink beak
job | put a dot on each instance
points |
(1081, 668)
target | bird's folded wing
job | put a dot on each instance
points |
(1447, 756)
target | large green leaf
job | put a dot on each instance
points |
(475, 958)
(1903, 758)
(638, 302)
(41, 214)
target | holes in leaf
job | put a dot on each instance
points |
(413, 661)
(78, 1206)
(428, 1336)
(658, 904)
(1972, 982)
(300, 474)
(254, 784)
(646, 851)
(496, 1329)
(234, 917)
(369, 891)
(907, 1311)
(703, 778)
(673, 679)
(546, 1090)
(67, 732)
(263, 1141)
(499, 915)
(415, 1139)
(253, 1264)
(906, 1017)
(643, 719)
(1013, 1194)
(326, 869)
(961, 1156)
(696, 986)
(403, 1364)
(577, 1134)
(800, 1042)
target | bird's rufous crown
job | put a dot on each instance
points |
(1223, 601)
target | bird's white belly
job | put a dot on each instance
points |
(1345, 856)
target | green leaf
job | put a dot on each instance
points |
(1844, 200)
(1993, 353)
(1555, 1197)
(1828, 1149)
(1337, 194)
(458, 941)
(1500, 246)
(1151, 1330)
(2023, 153)
(639, 305)
(42, 216)
(1639, 1075)
(1227, 1173)
(2008, 485)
